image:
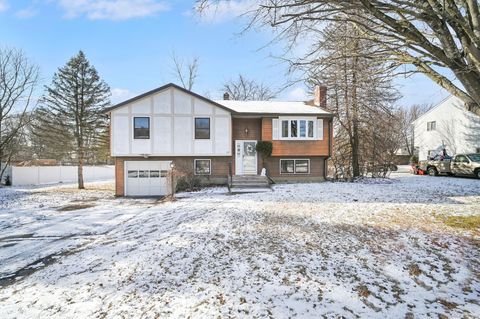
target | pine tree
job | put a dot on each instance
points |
(70, 119)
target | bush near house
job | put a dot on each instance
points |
(265, 149)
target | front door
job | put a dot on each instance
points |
(245, 158)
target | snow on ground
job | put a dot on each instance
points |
(373, 249)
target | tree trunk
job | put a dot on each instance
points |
(80, 170)
(355, 137)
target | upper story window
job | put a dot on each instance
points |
(141, 127)
(297, 129)
(202, 128)
(431, 126)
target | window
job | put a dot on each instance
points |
(143, 174)
(287, 166)
(298, 129)
(310, 129)
(202, 128)
(132, 174)
(141, 127)
(154, 174)
(461, 159)
(294, 166)
(163, 173)
(303, 128)
(202, 167)
(431, 126)
(284, 128)
(301, 166)
(477, 150)
(293, 128)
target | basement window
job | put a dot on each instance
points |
(294, 166)
(203, 166)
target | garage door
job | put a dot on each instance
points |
(146, 178)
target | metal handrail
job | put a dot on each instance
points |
(230, 176)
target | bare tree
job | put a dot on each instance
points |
(243, 89)
(406, 116)
(18, 80)
(361, 95)
(449, 134)
(185, 72)
(439, 38)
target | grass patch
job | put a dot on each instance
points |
(70, 208)
(465, 222)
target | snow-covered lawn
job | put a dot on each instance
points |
(373, 250)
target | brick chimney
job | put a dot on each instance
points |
(320, 96)
(226, 96)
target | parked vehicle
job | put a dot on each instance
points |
(460, 164)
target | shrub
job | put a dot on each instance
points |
(413, 159)
(265, 149)
(188, 182)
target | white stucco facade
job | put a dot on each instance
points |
(172, 114)
(451, 125)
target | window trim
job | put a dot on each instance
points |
(149, 127)
(294, 165)
(289, 129)
(195, 166)
(209, 128)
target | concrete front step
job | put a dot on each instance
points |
(250, 186)
(249, 190)
(249, 177)
(254, 183)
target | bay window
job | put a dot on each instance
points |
(297, 129)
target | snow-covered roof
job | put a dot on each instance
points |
(272, 107)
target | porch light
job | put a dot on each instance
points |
(246, 130)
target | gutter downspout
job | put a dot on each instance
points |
(330, 137)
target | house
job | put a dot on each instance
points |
(448, 124)
(173, 127)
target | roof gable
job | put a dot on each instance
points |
(162, 88)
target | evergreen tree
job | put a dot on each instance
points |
(70, 120)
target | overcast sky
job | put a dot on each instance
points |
(130, 42)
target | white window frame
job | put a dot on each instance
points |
(294, 166)
(195, 166)
(431, 126)
(297, 138)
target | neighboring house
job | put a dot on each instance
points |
(171, 126)
(448, 124)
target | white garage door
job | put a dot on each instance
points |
(146, 178)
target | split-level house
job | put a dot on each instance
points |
(171, 127)
(448, 125)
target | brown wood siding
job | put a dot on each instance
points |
(296, 148)
(316, 166)
(219, 167)
(254, 127)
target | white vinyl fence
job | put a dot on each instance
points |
(38, 175)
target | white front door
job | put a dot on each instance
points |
(245, 158)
